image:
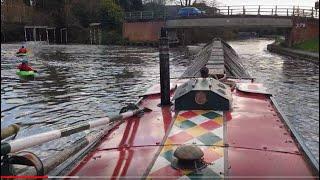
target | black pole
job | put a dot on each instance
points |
(164, 68)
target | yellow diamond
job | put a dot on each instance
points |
(218, 150)
(185, 172)
(180, 118)
(199, 112)
(218, 120)
(196, 131)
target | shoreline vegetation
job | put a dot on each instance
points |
(308, 46)
(76, 16)
(307, 50)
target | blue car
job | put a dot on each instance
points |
(190, 11)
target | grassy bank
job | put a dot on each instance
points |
(310, 45)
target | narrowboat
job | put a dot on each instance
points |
(214, 122)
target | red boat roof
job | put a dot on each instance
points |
(250, 140)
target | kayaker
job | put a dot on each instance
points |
(22, 50)
(25, 67)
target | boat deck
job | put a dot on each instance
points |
(250, 140)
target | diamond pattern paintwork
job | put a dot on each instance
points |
(201, 128)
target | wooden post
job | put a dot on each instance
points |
(66, 35)
(302, 12)
(90, 35)
(287, 12)
(275, 13)
(228, 10)
(231, 11)
(25, 34)
(244, 11)
(272, 12)
(312, 12)
(94, 35)
(61, 36)
(100, 35)
(34, 34)
(259, 10)
(47, 35)
(293, 11)
(54, 35)
(164, 68)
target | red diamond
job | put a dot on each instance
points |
(210, 125)
(181, 137)
(166, 171)
(210, 155)
(188, 114)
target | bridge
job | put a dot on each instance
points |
(296, 23)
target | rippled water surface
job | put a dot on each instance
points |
(78, 83)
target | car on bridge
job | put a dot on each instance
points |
(190, 11)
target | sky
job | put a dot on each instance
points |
(267, 2)
(259, 2)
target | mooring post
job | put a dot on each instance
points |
(164, 68)
(25, 34)
(54, 35)
(34, 34)
(47, 35)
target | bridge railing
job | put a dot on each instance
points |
(145, 15)
(255, 10)
(278, 10)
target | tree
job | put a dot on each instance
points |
(183, 3)
(131, 5)
(49, 4)
(111, 14)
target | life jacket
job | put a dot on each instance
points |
(22, 50)
(24, 67)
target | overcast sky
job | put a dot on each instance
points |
(266, 2)
(255, 2)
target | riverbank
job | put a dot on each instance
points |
(310, 46)
(295, 53)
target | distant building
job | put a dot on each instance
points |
(317, 5)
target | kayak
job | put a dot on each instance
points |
(22, 54)
(26, 73)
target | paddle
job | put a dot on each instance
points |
(78, 146)
(13, 129)
(27, 142)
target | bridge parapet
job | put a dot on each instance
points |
(248, 10)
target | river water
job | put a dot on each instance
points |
(78, 83)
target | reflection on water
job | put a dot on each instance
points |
(293, 82)
(78, 83)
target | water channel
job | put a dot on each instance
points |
(78, 83)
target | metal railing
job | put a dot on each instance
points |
(248, 10)
(145, 15)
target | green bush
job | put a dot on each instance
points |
(112, 37)
(310, 45)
